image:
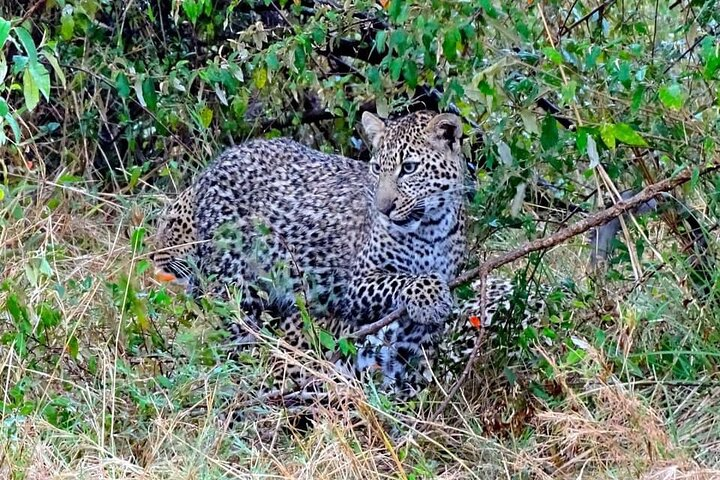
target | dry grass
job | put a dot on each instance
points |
(119, 405)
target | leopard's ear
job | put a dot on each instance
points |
(374, 127)
(444, 130)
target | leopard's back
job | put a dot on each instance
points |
(279, 216)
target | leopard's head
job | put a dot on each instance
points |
(416, 165)
(174, 240)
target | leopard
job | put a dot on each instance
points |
(279, 224)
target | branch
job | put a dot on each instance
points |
(30, 11)
(600, 218)
(359, 49)
(592, 12)
(690, 49)
(309, 117)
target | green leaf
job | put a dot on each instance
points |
(672, 96)
(626, 134)
(4, 110)
(41, 77)
(694, 178)
(399, 41)
(592, 152)
(529, 121)
(581, 139)
(319, 34)
(373, 75)
(206, 116)
(326, 340)
(142, 266)
(489, 8)
(574, 356)
(380, 40)
(510, 375)
(624, 74)
(300, 60)
(410, 73)
(135, 172)
(192, 9)
(27, 43)
(708, 145)
(549, 136)
(712, 65)
(260, 78)
(14, 127)
(4, 31)
(149, 94)
(30, 90)
(346, 347)
(73, 347)
(398, 10)
(607, 133)
(396, 68)
(136, 239)
(45, 267)
(486, 89)
(67, 25)
(16, 310)
(122, 84)
(568, 92)
(637, 98)
(450, 44)
(55, 66)
(553, 55)
(20, 345)
(272, 62)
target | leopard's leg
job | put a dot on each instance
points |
(400, 351)
(467, 322)
(372, 295)
(402, 354)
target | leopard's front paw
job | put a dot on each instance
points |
(427, 300)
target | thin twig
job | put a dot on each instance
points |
(567, 17)
(564, 29)
(688, 51)
(30, 11)
(558, 237)
(654, 40)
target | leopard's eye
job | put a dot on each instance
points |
(408, 168)
(375, 168)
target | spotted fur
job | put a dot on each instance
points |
(272, 218)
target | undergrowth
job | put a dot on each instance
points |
(107, 109)
(106, 372)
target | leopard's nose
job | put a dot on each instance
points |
(385, 205)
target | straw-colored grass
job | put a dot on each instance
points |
(130, 384)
